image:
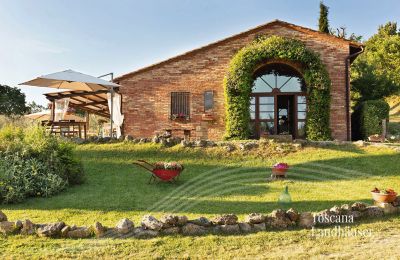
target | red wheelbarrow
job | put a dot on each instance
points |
(165, 175)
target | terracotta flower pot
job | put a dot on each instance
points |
(279, 171)
(385, 198)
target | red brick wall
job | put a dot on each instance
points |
(146, 95)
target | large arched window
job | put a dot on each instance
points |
(278, 77)
(278, 101)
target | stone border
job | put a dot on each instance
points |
(223, 224)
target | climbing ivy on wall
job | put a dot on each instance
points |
(238, 85)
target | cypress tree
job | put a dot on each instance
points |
(323, 18)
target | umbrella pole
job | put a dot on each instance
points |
(111, 111)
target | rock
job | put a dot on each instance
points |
(211, 144)
(73, 227)
(124, 226)
(145, 233)
(65, 230)
(277, 219)
(28, 228)
(306, 220)
(255, 218)
(359, 206)
(359, 143)
(324, 217)
(355, 214)
(297, 146)
(388, 208)
(181, 220)
(143, 140)
(150, 222)
(98, 229)
(259, 227)
(396, 203)
(3, 216)
(230, 229)
(128, 138)
(171, 231)
(50, 230)
(81, 232)
(18, 225)
(173, 220)
(169, 220)
(156, 139)
(336, 210)
(186, 143)
(345, 208)
(106, 139)
(245, 227)
(7, 227)
(293, 215)
(164, 142)
(191, 229)
(374, 211)
(228, 219)
(200, 143)
(248, 146)
(202, 221)
(230, 148)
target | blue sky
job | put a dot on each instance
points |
(97, 37)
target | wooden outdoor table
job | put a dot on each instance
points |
(56, 128)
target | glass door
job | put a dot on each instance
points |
(279, 114)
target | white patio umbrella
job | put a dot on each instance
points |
(46, 115)
(74, 80)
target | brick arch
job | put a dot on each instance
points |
(239, 79)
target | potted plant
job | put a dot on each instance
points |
(280, 169)
(179, 117)
(385, 196)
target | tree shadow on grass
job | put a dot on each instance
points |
(208, 188)
(337, 147)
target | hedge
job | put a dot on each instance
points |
(239, 81)
(367, 118)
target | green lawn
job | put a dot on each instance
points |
(214, 182)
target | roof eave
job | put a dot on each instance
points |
(286, 24)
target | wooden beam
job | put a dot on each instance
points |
(73, 94)
(93, 103)
(93, 111)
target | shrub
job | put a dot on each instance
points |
(33, 163)
(367, 118)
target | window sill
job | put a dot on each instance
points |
(207, 117)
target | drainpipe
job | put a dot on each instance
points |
(347, 65)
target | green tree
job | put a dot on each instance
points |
(376, 73)
(323, 23)
(12, 101)
(33, 107)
